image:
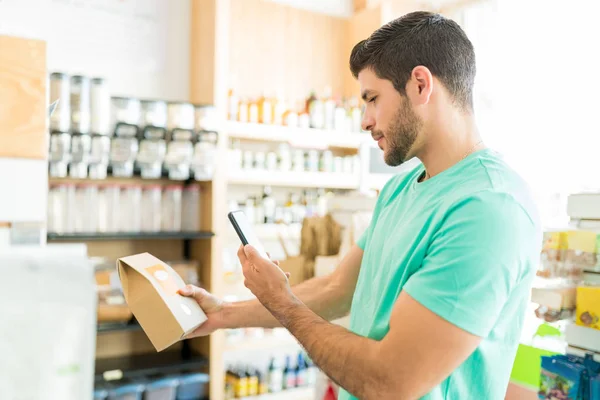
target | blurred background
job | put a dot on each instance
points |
(172, 113)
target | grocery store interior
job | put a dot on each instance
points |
(135, 126)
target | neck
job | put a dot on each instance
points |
(448, 142)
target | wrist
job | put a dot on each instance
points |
(227, 316)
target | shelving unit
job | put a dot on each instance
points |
(88, 237)
(138, 366)
(295, 179)
(296, 137)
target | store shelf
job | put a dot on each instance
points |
(576, 351)
(296, 137)
(294, 179)
(85, 237)
(137, 366)
(118, 327)
(305, 393)
(269, 341)
(583, 337)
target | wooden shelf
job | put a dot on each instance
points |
(86, 237)
(296, 137)
(137, 366)
(326, 180)
(303, 393)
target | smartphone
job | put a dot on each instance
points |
(243, 228)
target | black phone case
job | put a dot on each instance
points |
(237, 228)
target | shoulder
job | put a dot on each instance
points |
(494, 190)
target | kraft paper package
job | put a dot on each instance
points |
(150, 288)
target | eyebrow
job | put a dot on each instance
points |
(366, 94)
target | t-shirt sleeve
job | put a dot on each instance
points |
(474, 261)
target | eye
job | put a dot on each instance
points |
(372, 99)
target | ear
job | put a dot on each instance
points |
(420, 85)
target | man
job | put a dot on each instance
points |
(438, 284)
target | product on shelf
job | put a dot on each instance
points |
(567, 377)
(111, 302)
(94, 134)
(192, 386)
(318, 112)
(588, 306)
(165, 318)
(130, 208)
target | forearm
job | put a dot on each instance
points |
(322, 295)
(350, 360)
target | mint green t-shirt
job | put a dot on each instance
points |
(465, 244)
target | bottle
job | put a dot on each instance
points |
(263, 383)
(356, 116)
(288, 211)
(321, 203)
(265, 110)
(242, 114)
(252, 382)
(232, 106)
(329, 109)
(241, 389)
(253, 114)
(301, 371)
(279, 110)
(275, 376)
(269, 205)
(289, 374)
(231, 382)
(309, 101)
(311, 371)
(259, 211)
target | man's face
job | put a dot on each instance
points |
(390, 118)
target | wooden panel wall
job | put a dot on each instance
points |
(360, 27)
(278, 47)
(22, 98)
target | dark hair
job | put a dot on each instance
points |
(420, 38)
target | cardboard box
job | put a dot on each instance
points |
(150, 288)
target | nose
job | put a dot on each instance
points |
(368, 122)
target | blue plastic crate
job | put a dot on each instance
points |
(192, 386)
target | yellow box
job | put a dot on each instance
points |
(588, 306)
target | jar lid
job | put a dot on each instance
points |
(192, 187)
(152, 186)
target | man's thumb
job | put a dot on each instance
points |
(188, 291)
(250, 252)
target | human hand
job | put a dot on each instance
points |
(212, 307)
(263, 277)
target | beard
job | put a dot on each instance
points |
(401, 135)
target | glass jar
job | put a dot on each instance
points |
(298, 161)
(125, 116)
(151, 208)
(70, 207)
(285, 157)
(60, 120)
(131, 202)
(326, 161)
(86, 206)
(171, 208)
(100, 107)
(205, 154)
(180, 116)
(154, 113)
(312, 161)
(57, 209)
(112, 195)
(206, 118)
(191, 209)
(80, 104)
(338, 165)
